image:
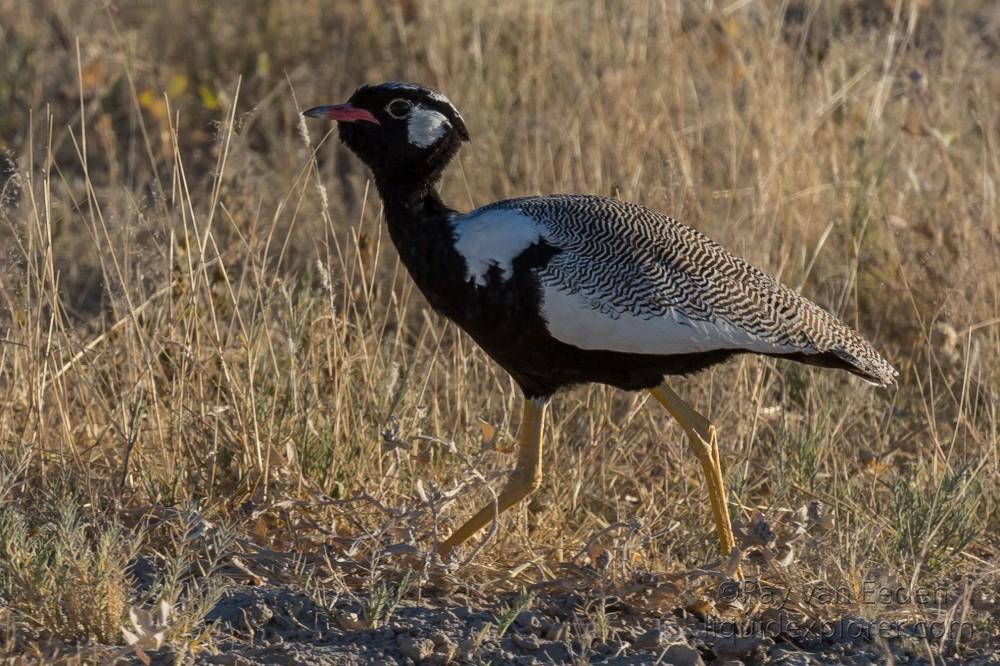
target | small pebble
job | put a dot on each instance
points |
(442, 656)
(528, 620)
(742, 646)
(467, 648)
(680, 654)
(649, 640)
(416, 649)
(557, 631)
(526, 642)
(790, 657)
(349, 621)
(223, 659)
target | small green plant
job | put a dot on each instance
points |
(937, 520)
(62, 575)
(598, 614)
(509, 612)
(596, 606)
(188, 584)
(384, 599)
(802, 453)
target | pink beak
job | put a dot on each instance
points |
(342, 113)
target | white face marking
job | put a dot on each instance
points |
(493, 238)
(425, 126)
(574, 319)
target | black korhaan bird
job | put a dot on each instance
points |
(569, 289)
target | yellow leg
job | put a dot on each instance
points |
(701, 435)
(526, 478)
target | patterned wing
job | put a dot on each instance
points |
(632, 280)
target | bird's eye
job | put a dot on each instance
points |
(398, 108)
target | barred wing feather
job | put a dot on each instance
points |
(629, 279)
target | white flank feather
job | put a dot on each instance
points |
(493, 238)
(576, 320)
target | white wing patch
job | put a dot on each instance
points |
(493, 238)
(425, 126)
(575, 320)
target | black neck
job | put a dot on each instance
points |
(411, 204)
(405, 189)
(420, 227)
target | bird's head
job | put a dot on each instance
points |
(405, 133)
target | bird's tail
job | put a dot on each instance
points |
(865, 362)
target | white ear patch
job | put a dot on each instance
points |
(425, 126)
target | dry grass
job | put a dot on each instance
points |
(202, 315)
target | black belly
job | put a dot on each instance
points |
(503, 317)
(542, 365)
